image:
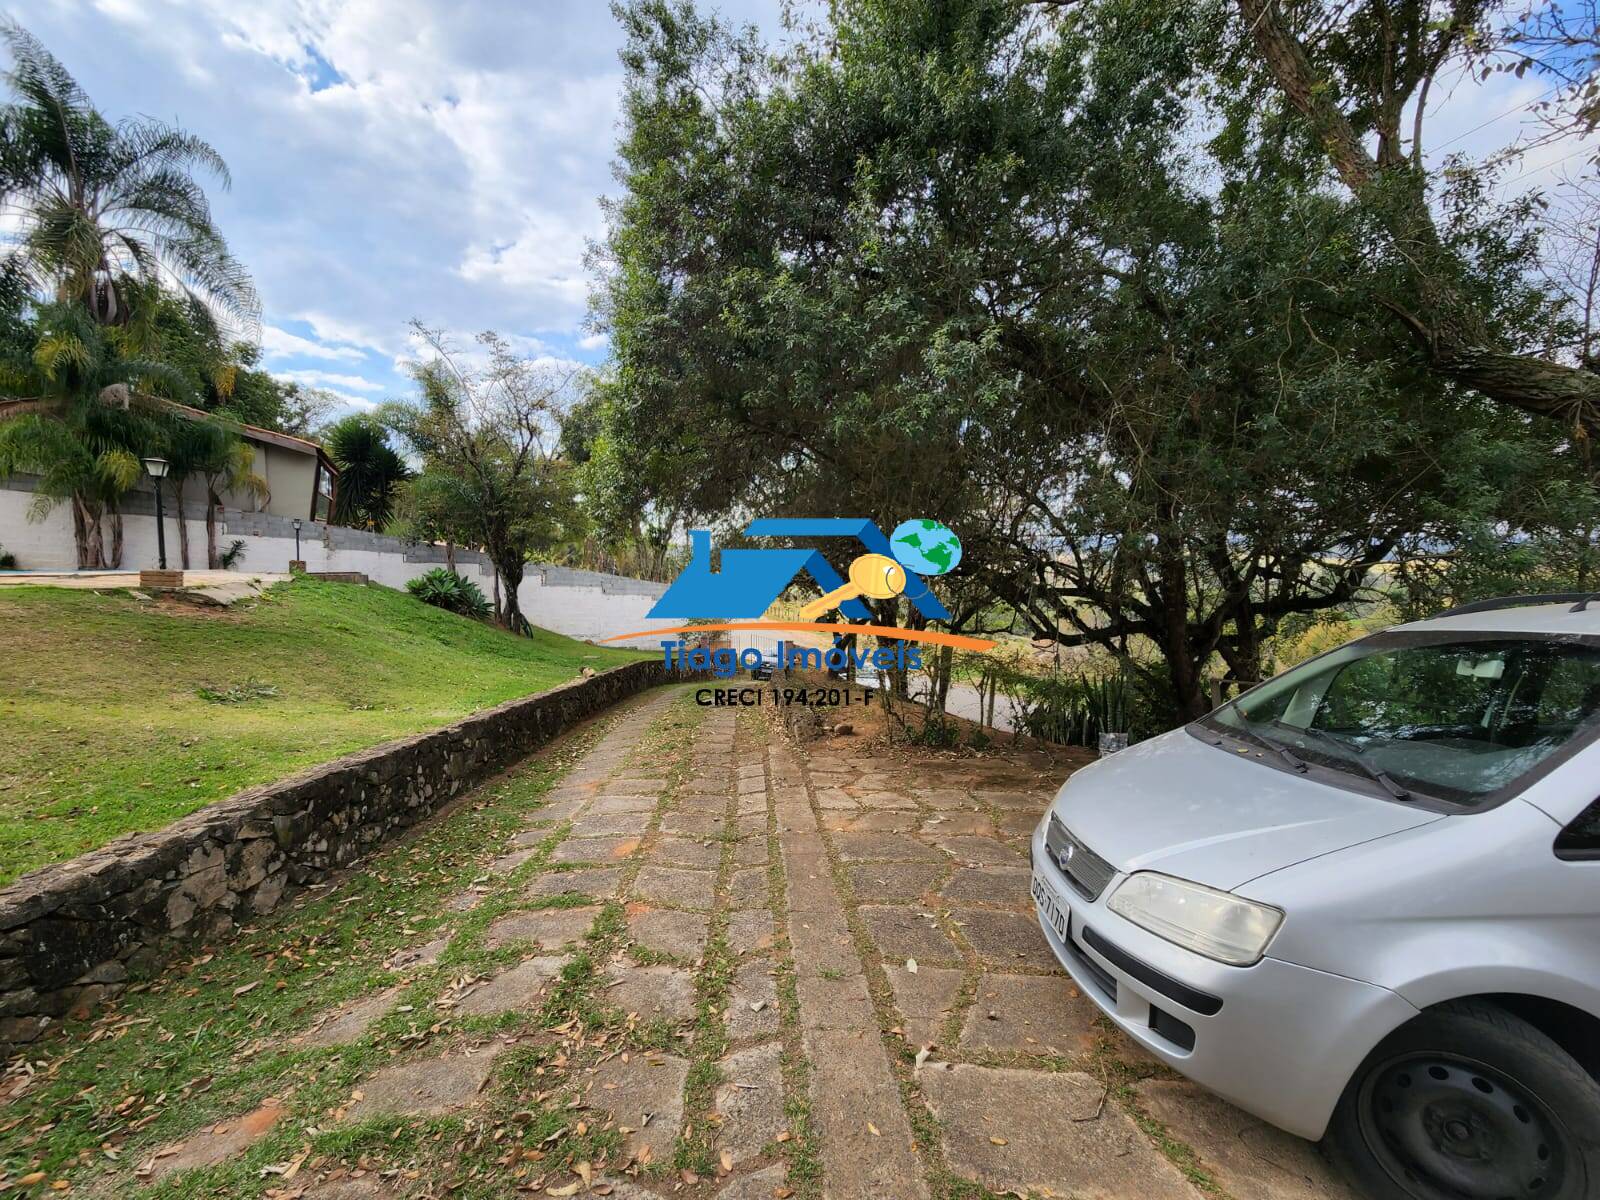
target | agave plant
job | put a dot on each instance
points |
(1074, 707)
(103, 206)
(443, 588)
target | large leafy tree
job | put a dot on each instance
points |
(224, 373)
(1356, 79)
(969, 260)
(99, 204)
(486, 436)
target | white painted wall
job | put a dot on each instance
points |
(579, 604)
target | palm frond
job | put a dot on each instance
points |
(57, 352)
(91, 194)
(119, 468)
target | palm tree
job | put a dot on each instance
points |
(100, 206)
(230, 468)
(210, 448)
(370, 472)
(80, 422)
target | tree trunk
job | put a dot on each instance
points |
(450, 556)
(213, 560)
(1189, 698)
(183, 526)
(116, 535)
(941, 678)
(92, 556)
(80, 533)
(510, 569)
(1243, 651)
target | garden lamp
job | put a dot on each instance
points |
(158, 471)
(296, 524)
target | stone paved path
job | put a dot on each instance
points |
(744, 967)
(933, 998)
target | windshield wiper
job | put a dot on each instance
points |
(1278, 748)
(1378, 774)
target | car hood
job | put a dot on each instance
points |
(1211, 814)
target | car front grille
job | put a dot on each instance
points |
(1085, 870)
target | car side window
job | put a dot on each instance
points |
(1581, 839)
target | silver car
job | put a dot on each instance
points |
(1363, 901)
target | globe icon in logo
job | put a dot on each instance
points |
(926, 547)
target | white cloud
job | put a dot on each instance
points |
(360, 403)
(595, 341)
(345, 332)
(328, 379)
(390, 158)
(1481, 119)
(280, 343)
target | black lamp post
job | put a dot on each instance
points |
(296, 524)
(158, 471)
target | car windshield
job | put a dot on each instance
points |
(1450, 717)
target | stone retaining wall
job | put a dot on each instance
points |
(71, 933)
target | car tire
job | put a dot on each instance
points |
(1469, 1102)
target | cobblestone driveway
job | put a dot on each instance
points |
(812, 970)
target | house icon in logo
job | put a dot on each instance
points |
(748, 581)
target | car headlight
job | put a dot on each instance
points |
(1216, 924)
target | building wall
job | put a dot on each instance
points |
(580, 604)
(290, 477)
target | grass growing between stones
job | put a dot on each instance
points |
(805, 1160)
(206, 1041)
(696, 1151)
(107, 731)
(1102, 1062)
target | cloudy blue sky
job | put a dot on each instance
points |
(401, 158)
(390, 158)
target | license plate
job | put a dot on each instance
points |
(1055, 913)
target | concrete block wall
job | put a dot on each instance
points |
(580, 604)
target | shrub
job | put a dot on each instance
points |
(443, 588)
(230, 557)
(938, 732)
(8, 560)
(1076, 707)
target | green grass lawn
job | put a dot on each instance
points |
(104, 728)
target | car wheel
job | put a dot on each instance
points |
(1468, 1102)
